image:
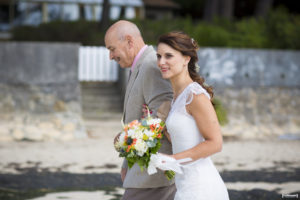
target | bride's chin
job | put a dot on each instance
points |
(165, 76)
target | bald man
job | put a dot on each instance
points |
(145, 86)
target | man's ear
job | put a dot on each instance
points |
(129, 40)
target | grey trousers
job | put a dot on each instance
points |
(161, 193)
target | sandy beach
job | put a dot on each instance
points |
(88, 168)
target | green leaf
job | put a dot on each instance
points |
(151, 143)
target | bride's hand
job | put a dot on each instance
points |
(167, 155)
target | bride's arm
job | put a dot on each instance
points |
(206, 119)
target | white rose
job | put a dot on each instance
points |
(141, 147)
(130, 132)
(137, 134)
(122, 138)
(149, 133)
(153, 121)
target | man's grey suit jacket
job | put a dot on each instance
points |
(146, 86)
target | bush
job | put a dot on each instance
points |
(211, 35)
(283, 30)
(220, 111)
(152, 29)
(86, 33)
(279, 30)
(248, 33)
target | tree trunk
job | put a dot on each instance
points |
(104, 23)
(262, 7)
(81, 11)
(211, 10)
(226, 9)
(122, 12)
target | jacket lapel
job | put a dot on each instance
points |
(133, 76)
(130, 84)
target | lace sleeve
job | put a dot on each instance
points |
(196, 89)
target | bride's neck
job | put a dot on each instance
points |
(179, 84)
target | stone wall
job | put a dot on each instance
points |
(260, 89)
(39, 91)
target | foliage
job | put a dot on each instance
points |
(279, 30)
(211, 35)
(151, 30)
(81, 31)
(220, 111)
(283, 28)
(249, 33)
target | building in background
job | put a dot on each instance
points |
(35, 12)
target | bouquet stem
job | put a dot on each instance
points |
(169, 174)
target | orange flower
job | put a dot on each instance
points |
(130, 146)
(133, 123)
(160, 129)
(152, 127)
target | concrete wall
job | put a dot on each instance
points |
(260, 89)
(47, 65)
(39, 91)
(250, 67)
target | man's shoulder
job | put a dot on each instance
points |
(149, 59)
(149, 56)
(148, 66)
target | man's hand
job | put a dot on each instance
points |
(146, 111)
(116, 138)
(123, 173)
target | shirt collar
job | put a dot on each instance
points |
(138, 56)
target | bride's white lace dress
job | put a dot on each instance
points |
(200, 179)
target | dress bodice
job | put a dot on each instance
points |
(180, 124)
(200, 179)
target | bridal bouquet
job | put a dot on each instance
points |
(139, 140)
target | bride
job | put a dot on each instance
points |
(192, 123)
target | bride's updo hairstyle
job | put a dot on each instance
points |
(188, 47)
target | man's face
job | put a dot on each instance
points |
(118, 50)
